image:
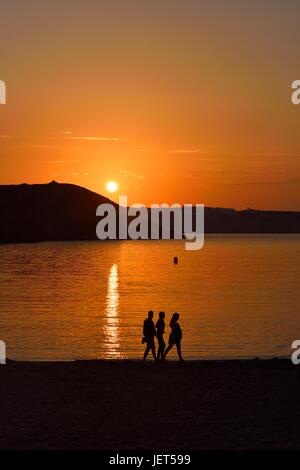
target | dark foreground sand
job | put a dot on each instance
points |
(130, 405)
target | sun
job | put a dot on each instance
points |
(112, 186)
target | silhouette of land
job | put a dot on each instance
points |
(250, 404)
(58, 212)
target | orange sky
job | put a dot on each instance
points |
(177, 101)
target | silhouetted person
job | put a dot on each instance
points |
(175, 336)
(149, 333)
(160, 331)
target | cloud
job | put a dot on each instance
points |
(130, 173)
(184, 151)
(126, 172)
(272, 154)
(206, 155)
(37, 146)
(179, 151)
(252, 155)
(257, 183)
(98, 139)
(62, 161)
(76, 173)
(194, 177)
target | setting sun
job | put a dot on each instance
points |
(112, 186)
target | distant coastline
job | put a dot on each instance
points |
(66, 212)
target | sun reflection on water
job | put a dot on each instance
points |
(111, 327)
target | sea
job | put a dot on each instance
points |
(238, 297)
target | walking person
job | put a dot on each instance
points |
(149, 333)
(160, 331)
(175, 336)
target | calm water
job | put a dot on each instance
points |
(238, 297)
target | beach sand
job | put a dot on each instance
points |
(167, 406)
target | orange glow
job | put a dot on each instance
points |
(175, 111)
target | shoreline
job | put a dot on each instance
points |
(95, 240)
(283, 360)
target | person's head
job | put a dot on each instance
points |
(150, 314)
(161, 315)
(174, 318)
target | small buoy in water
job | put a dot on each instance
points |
(175, 260)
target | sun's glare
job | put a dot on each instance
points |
(112, 186)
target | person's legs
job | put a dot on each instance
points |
(153, 352)
(146, 352)
(168, 349)
(158, 349)
(152, 348)
(178, 346)
(161, 347)
(158, 353)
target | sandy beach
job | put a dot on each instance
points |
(130, 405)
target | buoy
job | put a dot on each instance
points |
(175, 260)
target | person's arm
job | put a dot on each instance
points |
(179, 332)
